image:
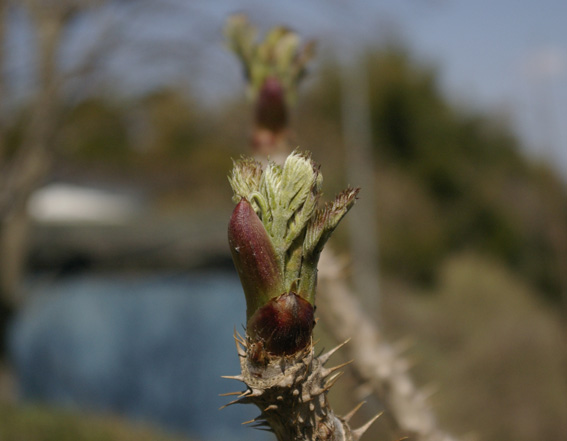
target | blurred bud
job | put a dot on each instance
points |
(273, 67)
(271, 110)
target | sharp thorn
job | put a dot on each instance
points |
(328, 388)
(239, 338)
(331, 381)
(271, 407)
(316, 391)
(349, 415)
(240, 344)
(306, 397)
(236, 335)
(265, 429)
(228, 404)
(258, 418)
(254, 392)
(233, 377)
(242, 400)
(327, 372)
(357, 433)
(325, 357)
(227, 394)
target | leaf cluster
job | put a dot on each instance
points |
(286, 198)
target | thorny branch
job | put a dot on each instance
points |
(375, 361)
(275, 241)
(291, 393)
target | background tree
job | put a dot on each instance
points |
(25, 167)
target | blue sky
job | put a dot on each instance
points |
(509, 55)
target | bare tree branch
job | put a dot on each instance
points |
(29, 164)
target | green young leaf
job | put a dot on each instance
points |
(326, 220)
(245, 181)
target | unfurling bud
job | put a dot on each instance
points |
(276, 235)
(278, 57)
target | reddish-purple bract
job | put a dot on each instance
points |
(254, 257)
(284, 325)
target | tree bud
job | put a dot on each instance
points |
(276, 235)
